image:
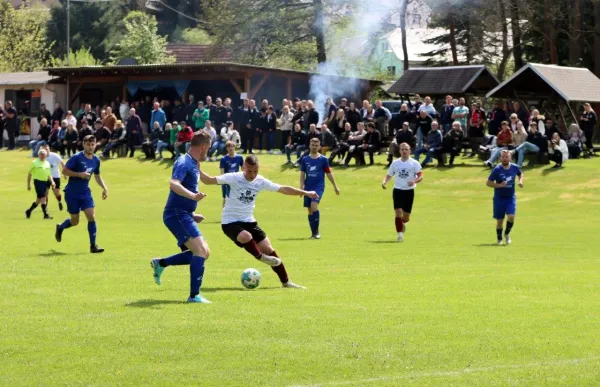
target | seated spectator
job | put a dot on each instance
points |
(342, 145)
(297, 142)
(520, 136)
(503, 142)
(102, 135)
(117, 139)
(551, 129)
(328, 140)
(218, 146)
(166, 139)
(558, 150)
(575, 141)
(149, 146)
(312, 133)
(452, 142)
(85, 130)
(433, 145)
(234, 136)
(536, 143)
(402, 135)
(53, 137)
(371, 144)
(208, 128)
(184, 137)
(42, 137)
(70, 140)
(423, 127)
(58, 144)
(355, 140)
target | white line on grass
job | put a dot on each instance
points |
(453, 373)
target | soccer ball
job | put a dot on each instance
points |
(250, 278)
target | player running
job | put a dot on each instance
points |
(78, 196)
(42, 176)
(180, 219)
(407, 174)
(502, 179)
(313, 169)
(231, 162)
(55, 161)
(237, 220)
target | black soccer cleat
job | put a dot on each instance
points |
(28, 214)
(94, 249)
(58, 233)
(47, 216)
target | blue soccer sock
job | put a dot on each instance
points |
(311, 223)
(92, 232)
(196, 275)
(183, 258)
(316, 220)
(65, 225)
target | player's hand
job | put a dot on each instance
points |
(383, 186)
(85, 175)
(28, 187)
(53, 186)
(411, 183)
(199, 196)
(520, 184)
(198, 218)
(312, 195)
(337, 190)
(104, 194)
(503, 184)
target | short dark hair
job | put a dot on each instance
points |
(251, 160)
(371, 125)
(89, 138)
(504, 123)
(200, 138)
(315, 139)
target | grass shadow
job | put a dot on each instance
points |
(286, 167)
(153, 303)
(52, 253)
(240, 289)
(488, 245)
(384, 242)
(292, 239)
(550, 170)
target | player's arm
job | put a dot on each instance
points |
(302, 179)
(29, 181)
(386, 180)
(521, 177)
(205, 179)
(70, 173)
(288, 190)
(417, 180)
(176, 186)
(493, 184)
(329, 175)
(51, 180)
(102, 185)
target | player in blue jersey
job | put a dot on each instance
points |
(230, 163)
(180, 219)
(78, 196)
(503, 179)
(313, 169)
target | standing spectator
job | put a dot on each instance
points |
(297, 142)
(191, 108)
(145, 112)
(371, 144)
(44, 113)
(239, 114)
(428, 107)
(71, 120)
(184, 137)
(433, 146)
(270, 126)
(330, 111)
(417, 104)
(285, 126)
(10, 125)
(109, 121)
(352, 116)
(178, 111)
(311, 116)
(117, 139)
(342, 145)
(70, 140)
(367, 112)
(338, 123)
(149, 146)
(80, 112)
(476, 129)
(495, 118)
(588, 124)
(86, 130)
(461, 113)
(446, 115)
(381, 117)
(212, 108)
(260, 128)
(158, 115)
(299, 115)
(124, 111)
(58, 113)
(558, 150)
(521, 113)
(539, 120)
(404, 115)
(201, 115)
(403, 135)
(536, 143)
(250, 120)
(133, 126)
(42, 137)
(228, 109)
(423, 127)
(87, 115)
(503, 142)
(453, 140)
(344, 105)
(221, 114)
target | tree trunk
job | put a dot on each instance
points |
(597, 38)
(403, 7)
(468, 42)
(516, 34)
(319, 28)
(505, 49)
(547, 27)
(452, 38)
(574, 33)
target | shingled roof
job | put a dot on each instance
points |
(573, 84)
(196, 53)
(475, 79)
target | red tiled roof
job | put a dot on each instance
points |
(195, 53)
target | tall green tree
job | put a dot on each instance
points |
(24, 46)
(81, 57)
(141, 41)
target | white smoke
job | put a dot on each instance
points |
(366, 18)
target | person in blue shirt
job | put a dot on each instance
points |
(313, 169)
(180, 219)
(78, 196)
(503, 180)
(230, 163)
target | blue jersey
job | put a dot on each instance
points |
(80, 163)
(187, 172)
(500, 174)
(315, 170)
(231, 164)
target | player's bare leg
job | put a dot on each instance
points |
(266, 248)
(90, 215)
(245, 239)
(400, 223)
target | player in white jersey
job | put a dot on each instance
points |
(237, 220)
(56, 165)
(407, 174)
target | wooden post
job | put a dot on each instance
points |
(288, 89)
(124, 92)
(247, 84)
(257, 87)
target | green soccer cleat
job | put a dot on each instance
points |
(198, 299)
(157, 270)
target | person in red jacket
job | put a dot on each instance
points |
(503, 142)
(184, 137)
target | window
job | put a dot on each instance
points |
(391, 70)
(26, 101)
(384, 46)
(416, 19)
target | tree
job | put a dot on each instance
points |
(24, 46)
(195, 36)
(81, 57)
(141, 41)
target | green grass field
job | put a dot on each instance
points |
(446, 307)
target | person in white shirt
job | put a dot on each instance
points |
(237, 220)
(407, 174)
(70, 118)
(558, 150)
(56, 165)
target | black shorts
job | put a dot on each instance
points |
(403, 199)
(40, 188)
(56, 183)
(232, 230)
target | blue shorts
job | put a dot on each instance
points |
(504, 206)
(225, 188)
(308, 201)
(182, 225)
(40, 188)
(78, 202)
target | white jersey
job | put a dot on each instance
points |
(403, 172)
(55, 162)
(239, 205)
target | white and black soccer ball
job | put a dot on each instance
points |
(250, 278)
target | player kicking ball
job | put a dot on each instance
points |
(502, 180)
(313, 169)
(78, 196)
(180, 219)
(237, 220)
(407, 174)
